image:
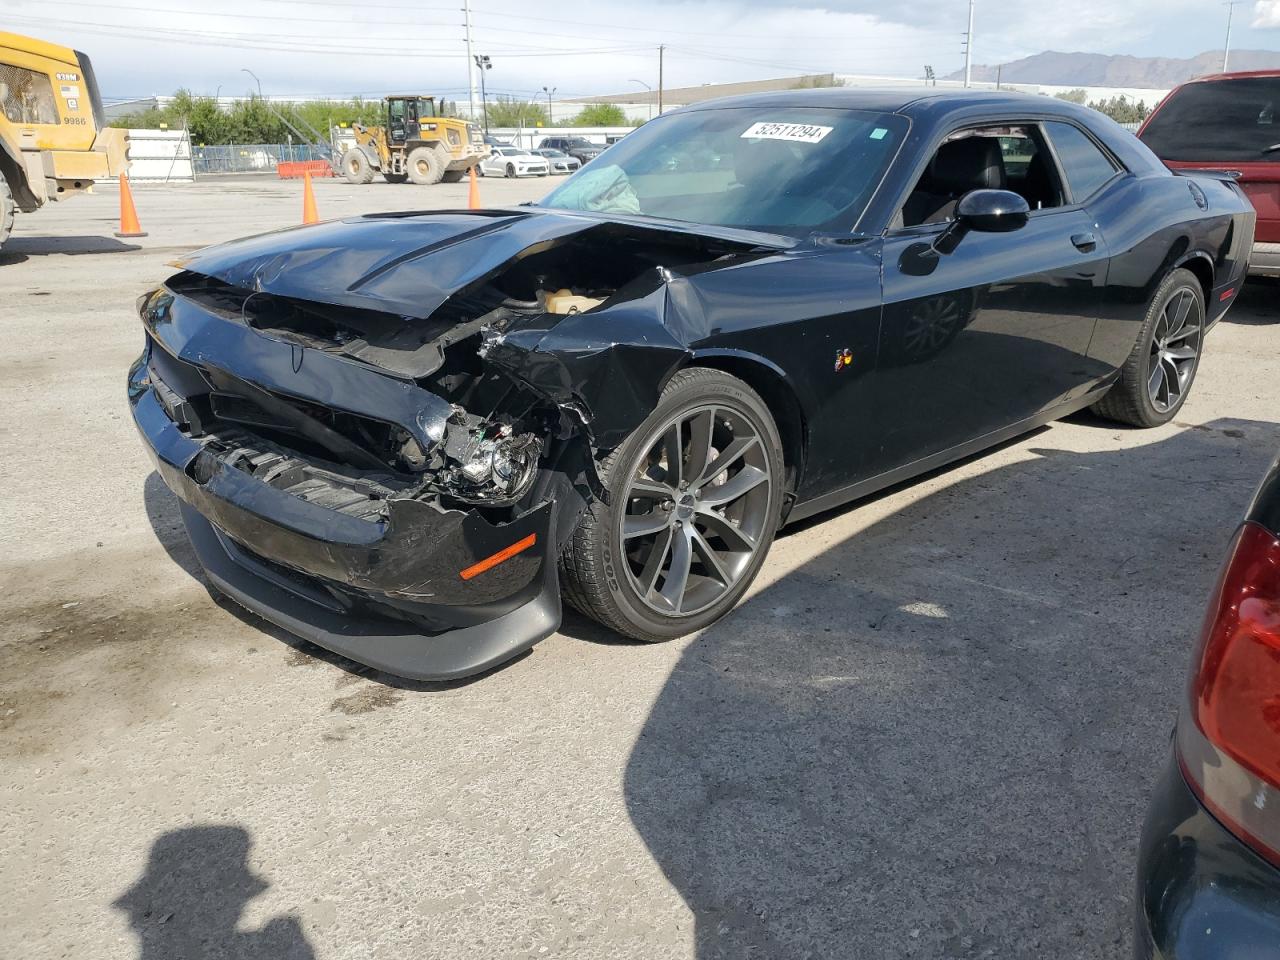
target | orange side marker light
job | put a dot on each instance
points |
(502, 556)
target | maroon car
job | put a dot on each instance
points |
(1228, 121)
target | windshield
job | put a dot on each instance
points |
(786, 170)
(1218, 120)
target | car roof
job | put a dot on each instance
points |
(904, 100)
(1241, 75)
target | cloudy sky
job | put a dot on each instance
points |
(371, 47)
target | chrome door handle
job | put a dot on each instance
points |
(1084, 242)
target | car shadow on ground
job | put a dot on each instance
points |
(1257, 304)
(161, 506)
(189, 900)
(937, 737)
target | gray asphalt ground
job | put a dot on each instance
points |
(930, 730)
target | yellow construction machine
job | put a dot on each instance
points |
(414, 143)
(54, 140)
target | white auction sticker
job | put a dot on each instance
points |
(801, 132)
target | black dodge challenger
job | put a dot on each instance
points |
(405, 436)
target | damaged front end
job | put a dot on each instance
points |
(383, 430)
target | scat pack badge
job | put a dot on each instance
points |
(844, 358)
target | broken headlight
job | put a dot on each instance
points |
(493, 466)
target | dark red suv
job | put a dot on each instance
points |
(1228, 121)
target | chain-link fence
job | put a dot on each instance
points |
(252, 157)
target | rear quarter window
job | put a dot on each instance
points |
(1086, 167)
(1218, 120)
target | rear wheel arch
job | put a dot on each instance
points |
(779, 396)
(1200, 264)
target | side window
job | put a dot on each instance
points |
(1006, 157)
(1085, 165)
(26, 96)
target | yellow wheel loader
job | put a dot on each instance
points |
(54, 140)
(414, 143)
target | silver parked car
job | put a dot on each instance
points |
(558, 160)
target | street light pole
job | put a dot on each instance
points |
(255, 77)
(484, 63)
(549, 93)
(650, 89)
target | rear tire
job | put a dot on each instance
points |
(424, 166)
(675, 549)
(356, 166)
(1157, 376)
(7, 210)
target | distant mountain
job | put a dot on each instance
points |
(1099, 70)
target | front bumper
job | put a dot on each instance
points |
(383, 590)
(1202, 894)
(1264, 261)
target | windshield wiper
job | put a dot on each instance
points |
(1274, 146)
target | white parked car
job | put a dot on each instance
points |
(513, 162)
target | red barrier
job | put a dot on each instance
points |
(297, 169)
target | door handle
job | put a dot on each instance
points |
(1084, 242)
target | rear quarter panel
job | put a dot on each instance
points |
(1153, 224)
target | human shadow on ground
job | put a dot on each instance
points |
(936, 738)
(188, 902)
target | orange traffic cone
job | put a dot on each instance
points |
(129, 226)
(309, 214)
(473, 198)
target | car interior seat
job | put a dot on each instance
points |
(972, 163)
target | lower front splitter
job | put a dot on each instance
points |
(393, 646)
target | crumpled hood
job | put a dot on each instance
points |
(376, 262)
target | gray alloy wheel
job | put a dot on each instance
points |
(1157, 376)
(695, 497)
(695, 510)
(1175, 349)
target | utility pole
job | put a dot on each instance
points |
(661, 49)
(999, 70)
(549, 93)
(471, 61)
(1226, 47)
(968, 48)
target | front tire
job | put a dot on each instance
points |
(7, 210)
(356, 166)
(424, 166)
(1157, 376)
(695, 496)
(511, 170)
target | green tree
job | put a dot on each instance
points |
(600, 115)
(512, 112)
(1074, 96)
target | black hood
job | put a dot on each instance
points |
(374, 262)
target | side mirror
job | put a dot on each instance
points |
(992, 211)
